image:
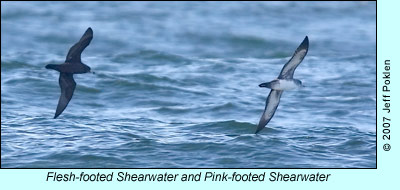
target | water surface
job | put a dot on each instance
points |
(176, 85)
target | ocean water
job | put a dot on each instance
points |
(176, 85)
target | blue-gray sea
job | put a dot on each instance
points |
(176, 85)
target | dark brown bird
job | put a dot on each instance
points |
(72, 65)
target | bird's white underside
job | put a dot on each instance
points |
(284, 85)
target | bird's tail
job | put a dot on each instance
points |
(53, 66)
(265, 85)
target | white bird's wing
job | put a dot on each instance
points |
(298, 56)
(270, 108)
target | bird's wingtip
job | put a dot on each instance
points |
(259, 128)
(89, 30)
(304, 43)
(306, 39)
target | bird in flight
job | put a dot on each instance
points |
(72, 65)
(285, 81)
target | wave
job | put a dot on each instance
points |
(150, 56)
(225, 127)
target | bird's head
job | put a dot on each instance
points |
(298, 83)
(86, 69)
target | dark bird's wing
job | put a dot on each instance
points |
(298, 56)
(67, 85)
(270, 108)
(74, 54)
